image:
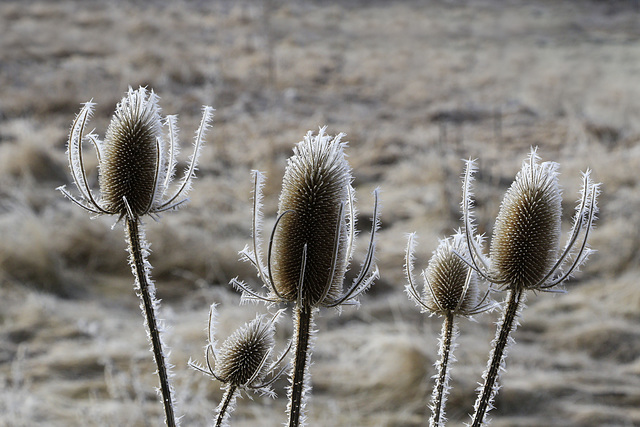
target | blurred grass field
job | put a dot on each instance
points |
(417, 86)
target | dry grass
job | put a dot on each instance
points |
(416, 87)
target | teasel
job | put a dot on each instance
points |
(310, 247)
(451, 289)
(244, 362)
(135, 169)
(524, 253)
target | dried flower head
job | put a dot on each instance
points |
(524, 251)
(242, 359)
(245, 358)
(526, 235)
(136, 165)
(309, 249)
(450, 285)
(311, 243)
(244, 362)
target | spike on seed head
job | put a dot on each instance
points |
(315, 191)
(241, 359)
(527, 232)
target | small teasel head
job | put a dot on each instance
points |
(525, 247)
(136, 164)
(526, 236)
(245, 358)
(450, 286)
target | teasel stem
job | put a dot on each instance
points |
(228, 397)
(149, 304)
(441, 388)
(508, 325)
(304, 320)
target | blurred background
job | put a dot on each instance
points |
(417, 87)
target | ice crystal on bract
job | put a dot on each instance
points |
(135, 163)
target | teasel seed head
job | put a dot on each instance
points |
(315, 193)
(241, 358)
(245, 358)
(135, 163)
(451, 287)
(313, 239)
(524, 251)
(131, 153)
(526, 236)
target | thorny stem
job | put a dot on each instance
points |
(303, 332)
(441, 380)
(488, 389)
(149, 311)
(226, 400)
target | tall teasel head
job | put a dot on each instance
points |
(136, 164)
(450, 286)
(525, 248)
(311, 243)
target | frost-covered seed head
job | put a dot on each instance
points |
(447, 276)
(136, 164)
(244, 353)
(129, 167)
(316, 183)
(527, 232)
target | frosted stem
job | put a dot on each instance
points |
(148, 301)
(302, 356)
(441, 387)
(489, 389)
(224, 405)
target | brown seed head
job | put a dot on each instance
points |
(527, 232)
(242, 356)
(451, 287)
(129, 166)
(315, 192)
